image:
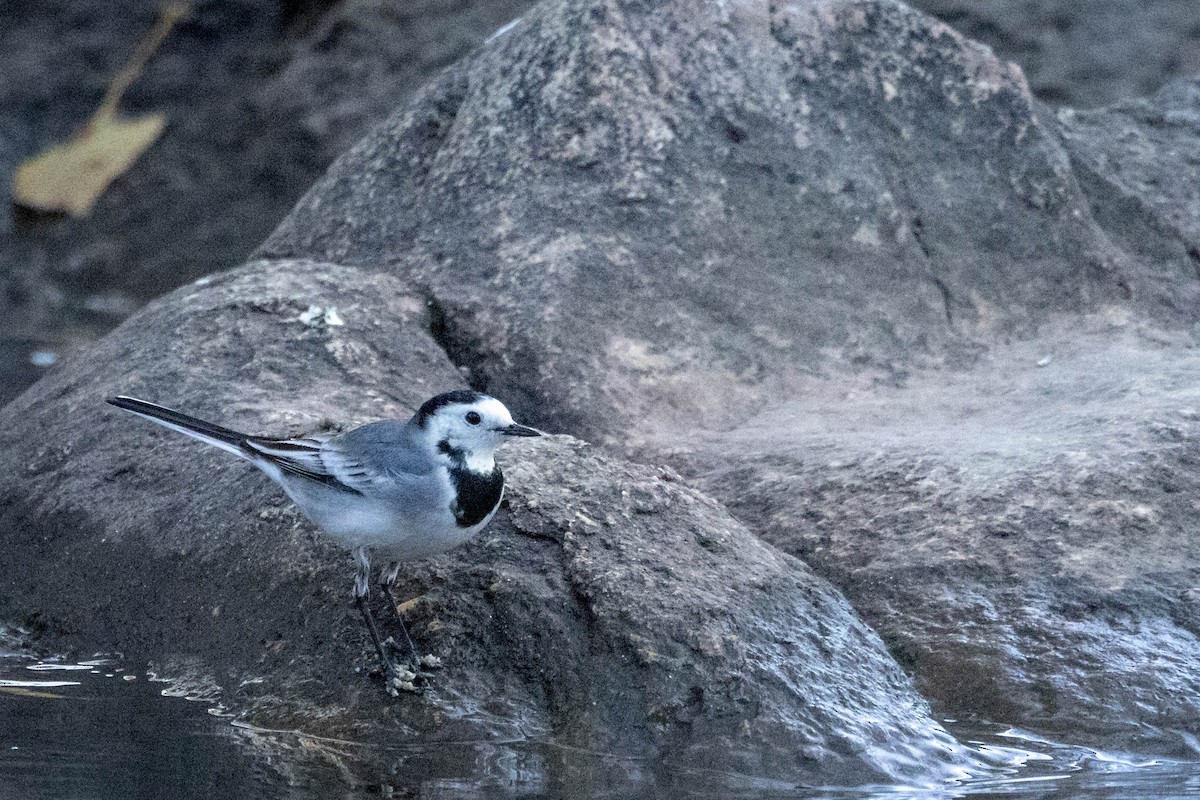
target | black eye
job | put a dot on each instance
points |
(473, 418)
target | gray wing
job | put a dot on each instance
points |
(361, 460)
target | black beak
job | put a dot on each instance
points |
(519, 430)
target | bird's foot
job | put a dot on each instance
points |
(402, 655)
(400, 678)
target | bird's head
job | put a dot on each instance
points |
(467, 426)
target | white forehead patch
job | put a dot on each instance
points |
(493, 409)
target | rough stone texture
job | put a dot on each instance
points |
(646, 223)
(1022, 537)
(263, 95)
(610, 608)
(755, 195)
(1136, 163)
(1084, 53)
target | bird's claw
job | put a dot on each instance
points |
(401, 679)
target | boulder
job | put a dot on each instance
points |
(609, 608)
(261, 97)
(724, 236)
(635, 218)
(830, 259)
(1022, 536)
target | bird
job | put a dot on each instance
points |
(402, 490)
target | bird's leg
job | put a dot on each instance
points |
(362, 580)
(387, 577)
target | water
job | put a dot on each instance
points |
(87, 731)
(99, 730)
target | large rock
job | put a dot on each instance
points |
(1022, 537)
(610, 608)
(635, 218)
(732, 234)
(649, 224)
(261, 96)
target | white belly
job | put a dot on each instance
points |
(391, 533)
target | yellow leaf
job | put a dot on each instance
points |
(71, 176)
(408, 605)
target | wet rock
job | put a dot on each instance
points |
(735, 236)
(169, 575)
(1023, 538)
(610, 607)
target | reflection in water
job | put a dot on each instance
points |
(85, 731)
(97, 730)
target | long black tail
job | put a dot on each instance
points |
(224, 438)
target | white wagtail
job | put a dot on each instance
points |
(403, 490)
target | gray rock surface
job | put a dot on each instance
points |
(262, 96)
(756, 198)
(647, 225)
(1022, 536)
(813, 254)
(609, 608)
